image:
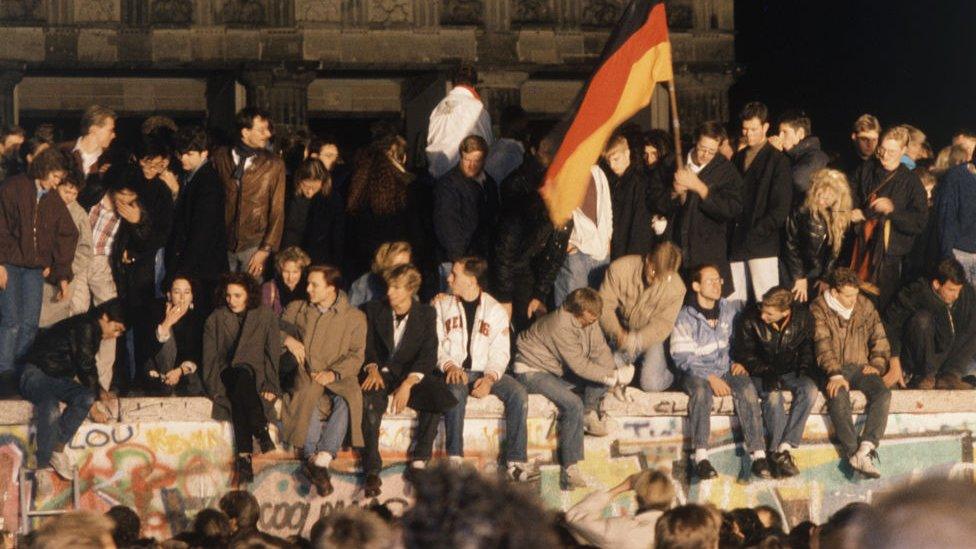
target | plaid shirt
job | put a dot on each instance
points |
(105, 226)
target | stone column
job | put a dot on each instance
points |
(221, 101)
(9, 78)
(282, 91)
(500, 89)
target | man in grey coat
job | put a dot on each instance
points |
(563, 353)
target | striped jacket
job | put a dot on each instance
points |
(700, 350)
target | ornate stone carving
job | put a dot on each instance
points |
(243, 12)
(680, 16)
(387, 12)
(92, 11)
(172, 12)
(601, 13)
(20, 10)
(532, 11)
(462, 12)
(318, 11)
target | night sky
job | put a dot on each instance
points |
(903, 61)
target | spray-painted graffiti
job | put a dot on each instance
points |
(167, 471)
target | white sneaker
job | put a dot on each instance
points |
(864, 464)
(62, 465)
(593, 425)
(524, 471)
(570, 478)
(322, 459)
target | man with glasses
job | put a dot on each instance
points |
(700, 346)
(710, 191)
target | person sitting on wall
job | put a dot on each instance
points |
(401, 354)
(773, 344)
(176, 359)
(326, 339)
(371, 285)
(700, 347)
(473, 353)
(565, 353)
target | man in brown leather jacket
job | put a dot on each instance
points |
(254, 185)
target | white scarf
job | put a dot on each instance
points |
(835, 305)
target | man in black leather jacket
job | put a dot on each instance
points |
(64, 351)
(773, 343)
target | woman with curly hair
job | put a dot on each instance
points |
(384, 201)
(241, 349)
(815, 232)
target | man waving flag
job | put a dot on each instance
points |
(637, 56)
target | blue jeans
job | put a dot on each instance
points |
(54, 428)
(20, 311)
(968, 261)
(783, 428)
(326, 435)
(746, 408)
(578, 271)
(563, 393)
(655, 376)
(516, 411)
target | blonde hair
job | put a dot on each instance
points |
(295, 254)
(383, 258)
(838, 217)
(867, 123)
(406, 276)
(899, 134)
(664, 259)
(654, 490)
(915, 135)
(79, 530)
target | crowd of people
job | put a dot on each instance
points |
(265, 269)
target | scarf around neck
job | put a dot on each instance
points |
(835, 306)
(243, 153)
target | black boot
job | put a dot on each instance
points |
(245, 472)
(9, 385)
(264, 440)
(319, 477)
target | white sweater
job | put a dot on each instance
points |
(457, 116)
(490, 336)
(592, 236)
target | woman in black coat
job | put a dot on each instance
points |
(241, 349)
(316, 217)
(178, 353)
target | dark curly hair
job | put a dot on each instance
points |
(244, 280)
(377, 183)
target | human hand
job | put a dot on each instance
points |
(402, 395)
(883, 206)
(895, 377)
(171, 181)
(719, 387)
(173, 376)
(97, 414)
(269, 396)
(800, 288)
(64, 292)
(129, 212)
(373, 381)
(324, 378)
(173, 315)
(456, 375)
(256, 265)
(536, 307)
(482, 387)
(835, 384)
(857, 216)
(296, 348)
(870, 371)
(739, 370)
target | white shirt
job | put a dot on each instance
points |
(505, 155)
(398, 329)
(457, 116)
(592, 237)
(237, 158)
(87, 159)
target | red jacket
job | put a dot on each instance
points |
(35, 234)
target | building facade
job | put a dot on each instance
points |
(334, 62)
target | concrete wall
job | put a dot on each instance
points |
(168, 461)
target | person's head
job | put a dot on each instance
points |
(465, 75)
(48, 168)
(242, 509)
(312, 178)
(967, 140)
(77, 530)
(755, 123)
(928, 514)
(844, 528)
(776, 305)
(460, 507)
(325, 148)
(402, 284)
(473, 149)
(687, 527)
(708, 138)
(893, 146)
(111, 318)
(956, 155)
(391, 254)
(324, 282)
(949, 280)
(664, 260)
(654, 490)
(11, 137)
(845, 286)
(514, 124)
(180, 292)
(794, 126)
(916, 142)
(769, 517)
(585, 304)
(291, 264)
(616, 154)
(69, 188)
(802, 534)
(239, 291)
(829, 199)
(351, 528)
(865, 135)
(192, 146)
(467, 277)
(153, 154)
(254, 127)
(212, 524)
(98, 125)
(128, 527)
(658, 147)
(543, 148)
(122, 189)
(29, 149)
(706, 281)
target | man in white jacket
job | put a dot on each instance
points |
(589, 243)
(474, 347)
(460, 114)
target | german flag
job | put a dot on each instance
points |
(637, 56)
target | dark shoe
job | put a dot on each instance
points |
(411, 473)
(265, 442)
(760, 468)
(783, 465)
(951, 382)
(373, 484)
(9, 386)
(245, 472)
(320, 478)
(926, 383)
(704, 470)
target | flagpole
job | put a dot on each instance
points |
(676, 125)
